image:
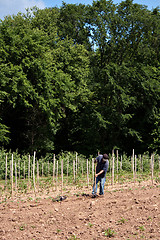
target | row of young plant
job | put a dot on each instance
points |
(73, 164)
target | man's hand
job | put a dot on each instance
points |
(97, 174)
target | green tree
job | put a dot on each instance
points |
(72, 24)
(42, 77)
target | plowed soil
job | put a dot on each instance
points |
(124, 212)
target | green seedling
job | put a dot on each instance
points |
(90, 224)
(33, 227)
(109, 233)
(30, 198)
(122, 220)
(73, 237)
(22, 227)
(141, 228)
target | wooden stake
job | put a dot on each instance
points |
(15, 177)
(29, 171)
(133, 163)
(12, 175)
(19, 168)
(74, 177)
(38, 175)
(54, 160)
(6, 173)
(152, 167)
(34, 182)
(76, 164)
(87, 175)
(95, 178)
(62, 177)
(82, 167)
(121, 162)
(135, 169)
(57, 175)
(93, 169)
(117, 160)
(67, 168)
(112, 167)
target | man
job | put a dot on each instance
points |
(101, 170)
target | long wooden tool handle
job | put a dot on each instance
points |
(95, 177)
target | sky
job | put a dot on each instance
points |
(10, 7)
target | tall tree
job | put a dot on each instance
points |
(42, 77)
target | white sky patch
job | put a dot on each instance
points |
(10, 7)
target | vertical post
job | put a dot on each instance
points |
(32, 171)
(57, 175)
(54, 160)
(10, 162)
(29, 171)
(121, 163)
(38, 175)
(93, 169)
(133, 163)
(135, 169)
(87, 175)
(112, 167)
(82, 167)
(34, 183)
(152, 167)
(6, 173)
(142, 162)
(89, 167)
(74, 171)
(62, 176)
(67, 168)
(117, 160)
(117, 163)
(15, 177)
(12, 174)
(95, 178)
(19, 168)
(76, 163)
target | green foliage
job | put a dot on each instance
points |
(43, 80)
(109, 233)
(86, 72)
(4, 133)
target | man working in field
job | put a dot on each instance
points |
(101, 170)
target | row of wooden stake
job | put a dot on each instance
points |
(31, 174)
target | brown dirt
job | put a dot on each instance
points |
(125, 212)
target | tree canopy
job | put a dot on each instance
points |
(81, 77)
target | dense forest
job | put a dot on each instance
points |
(82, 78)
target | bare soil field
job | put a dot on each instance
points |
(130, 211)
